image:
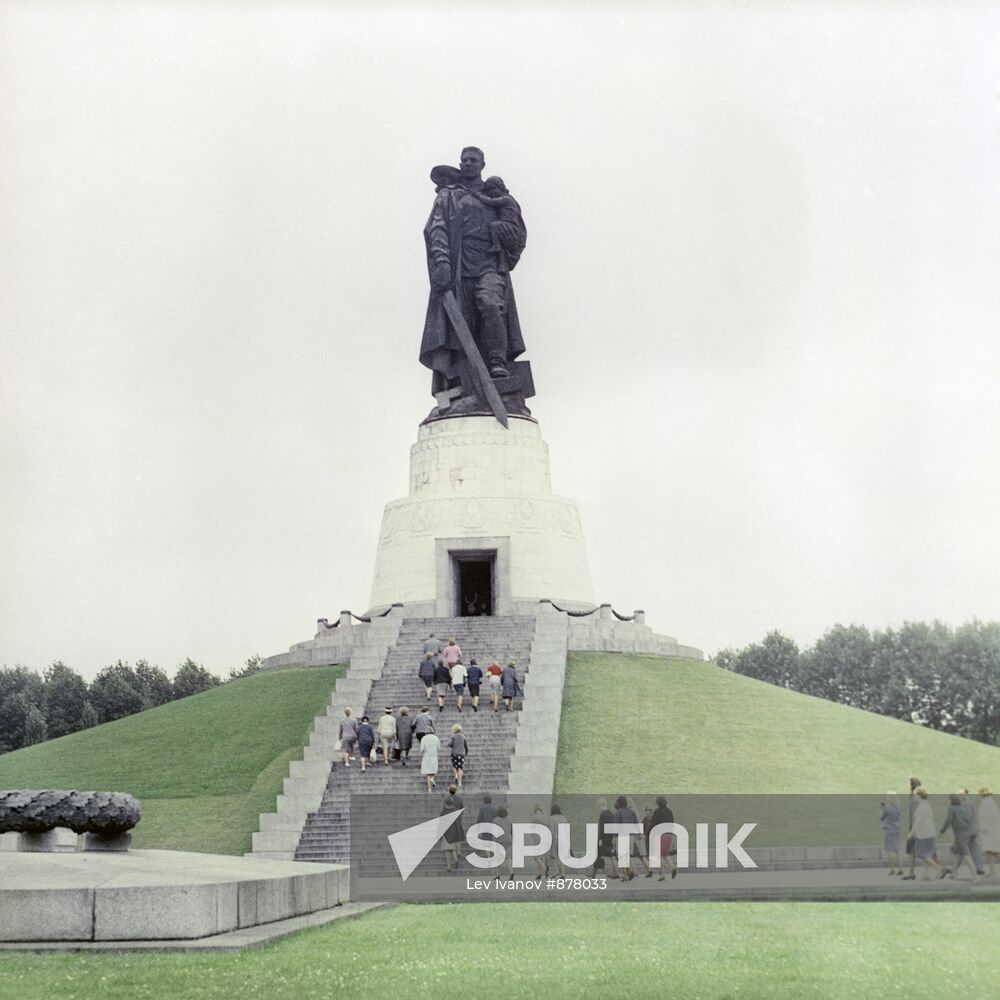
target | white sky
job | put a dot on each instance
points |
(760, 298)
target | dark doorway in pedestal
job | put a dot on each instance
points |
(474, 590)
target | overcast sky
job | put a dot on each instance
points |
(760, 297)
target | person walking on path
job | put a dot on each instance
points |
(458, 675)
(348, 736)
(429, 747)
(426, 673)
(989, 828)
(624, 813)
(504, 840)
(664, 814)
(423, 723)
(538, 816)
(387, 733)
(494, 673)
(509, 685)
(975, 848)
(459, 747)
(556, 820)
(404, 734)
(366, 742)
(922, 831)
(647, 825)
(911, 844)
(889, 818)
(960, 821)
(605, 841)
(442, 682)
(474, 676)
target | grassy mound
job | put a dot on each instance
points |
(203, 767)
(641, 724)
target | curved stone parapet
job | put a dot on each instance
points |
(107, 814)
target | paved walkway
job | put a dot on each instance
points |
(822, 884)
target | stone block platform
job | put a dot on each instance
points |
(156, 895)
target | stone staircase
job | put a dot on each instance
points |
(303, 789)
(493, 737)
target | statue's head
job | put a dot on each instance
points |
(494, 187)
(445, 176)
(472, 162)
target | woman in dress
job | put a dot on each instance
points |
(459, 747)
(989, 828)
(404, 734)
(509, 685)
(664, 814)
(889, 819)
(429, 747)
(923, 831)
(454, 834)
(962, 823)
(426, 674)
(366, 741)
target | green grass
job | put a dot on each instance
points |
(646, 725)
(203, 768)
(694, 951)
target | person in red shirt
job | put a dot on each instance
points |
(493, 673)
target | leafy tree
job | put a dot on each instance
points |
(971, 686)
(922, 658)
(775, 660)
(192, 678)
(64, 699)
(840, 666)
(725, 658)
(20, 679)
(35, 729)
(154, 684)
(89, 717)
(252, 666)
(14, 711)
(115, 692)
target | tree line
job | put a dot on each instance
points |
(930, 674)
(37, 707)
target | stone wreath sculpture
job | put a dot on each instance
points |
(106, 814)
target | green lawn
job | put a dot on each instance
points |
(693, 951)
(203, 768)
(646, 725)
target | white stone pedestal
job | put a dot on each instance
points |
(480, 492)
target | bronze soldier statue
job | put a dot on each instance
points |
(474, 237)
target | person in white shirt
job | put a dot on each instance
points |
(429, 747)
(387, 733)
(923, 831)
(458, 675)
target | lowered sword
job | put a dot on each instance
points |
(464, 334)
